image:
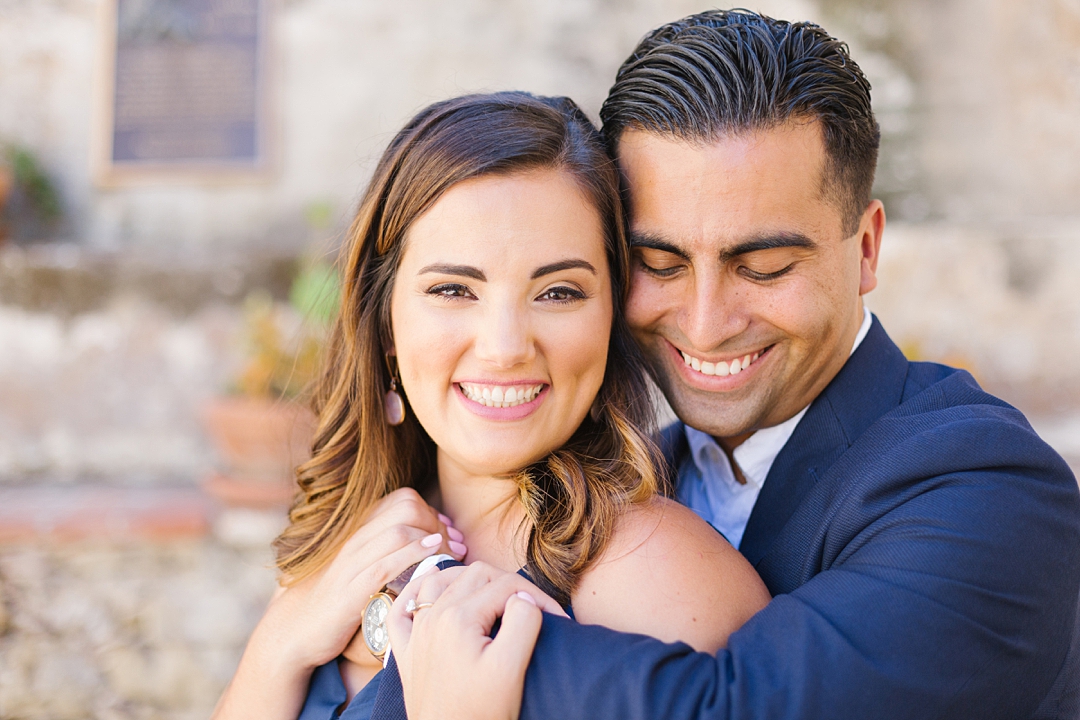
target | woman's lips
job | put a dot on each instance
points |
(501, 402)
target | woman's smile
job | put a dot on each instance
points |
(502, 401)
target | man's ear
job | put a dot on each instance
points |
(871, 229)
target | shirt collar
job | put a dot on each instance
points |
(756, 455)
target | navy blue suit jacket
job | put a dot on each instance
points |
(923, 548)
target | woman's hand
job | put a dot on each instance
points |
(310, 623)
(450, 668)
(314, 620)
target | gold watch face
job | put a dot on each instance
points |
(373, 626)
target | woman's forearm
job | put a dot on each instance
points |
(313, 621)
(269, 684)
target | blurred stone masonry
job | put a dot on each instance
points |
(129, 629)
(1005, 309)
(125, 592)
(106, 358)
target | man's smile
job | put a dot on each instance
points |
(719, 372)
(732, 366)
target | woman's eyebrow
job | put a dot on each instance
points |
(562, 265)
(464, 270)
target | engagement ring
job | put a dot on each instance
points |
(412, 607)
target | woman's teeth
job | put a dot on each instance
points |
(721, 368)
(500, 396)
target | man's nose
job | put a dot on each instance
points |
(504, 338)
(713, 312)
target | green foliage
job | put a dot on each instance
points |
(319, 215)
(316, 292)
(33, 183)
(279, 367)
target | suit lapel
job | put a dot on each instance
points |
(674, 447)
(869, 385)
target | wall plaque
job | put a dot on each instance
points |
(186, 88)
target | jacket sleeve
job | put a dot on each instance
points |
(946, 588)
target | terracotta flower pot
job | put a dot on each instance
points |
(7, 182)
(260, 442)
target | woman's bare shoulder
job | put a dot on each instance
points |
(668, 574)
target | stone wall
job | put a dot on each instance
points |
(347, 73)
(131, 630)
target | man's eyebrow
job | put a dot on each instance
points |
(446, 269)
(655, 242)
(562, 265)
(768, 242)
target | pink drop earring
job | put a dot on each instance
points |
(392, 403)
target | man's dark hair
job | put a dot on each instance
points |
(722, 72)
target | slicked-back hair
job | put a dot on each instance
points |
(723, 72)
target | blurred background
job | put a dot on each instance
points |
(176, 174)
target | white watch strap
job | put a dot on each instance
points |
(425, 566)
(428, 563)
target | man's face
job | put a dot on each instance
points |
(746, 290)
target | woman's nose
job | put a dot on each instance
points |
(504, 338)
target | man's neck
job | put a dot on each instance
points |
(730, 443)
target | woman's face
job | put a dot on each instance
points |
(501, 315)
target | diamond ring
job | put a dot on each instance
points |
(412, 607)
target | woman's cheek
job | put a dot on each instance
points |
(581, 347)
(427, 350)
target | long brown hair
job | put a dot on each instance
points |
(573, 497)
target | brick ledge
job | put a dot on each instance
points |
(72, 513)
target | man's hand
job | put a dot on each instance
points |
(450, 668)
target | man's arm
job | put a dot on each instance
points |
(956, 599)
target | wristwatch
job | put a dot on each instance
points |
(373, 624)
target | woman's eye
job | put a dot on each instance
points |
(451, 290)
(562, 294)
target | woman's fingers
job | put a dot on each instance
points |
(405, 507)
(390, 561)
(444, 652)
(399, 622)
(512, 648)
(489, 587)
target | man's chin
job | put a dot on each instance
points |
(729, 429)
(719, 417)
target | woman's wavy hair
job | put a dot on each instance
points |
(572, 497)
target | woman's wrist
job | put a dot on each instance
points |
(279, 649)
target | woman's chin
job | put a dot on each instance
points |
(494, 463)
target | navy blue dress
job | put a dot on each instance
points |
(327, 691)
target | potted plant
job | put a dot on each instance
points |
(30, 206)
(262, 429)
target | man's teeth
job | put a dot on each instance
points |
(500, 396)
(721, 368)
